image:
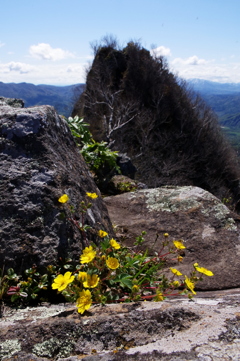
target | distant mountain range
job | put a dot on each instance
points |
(211, 87)
(61, 97)
(224, 99)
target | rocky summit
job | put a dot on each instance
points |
(39, 162)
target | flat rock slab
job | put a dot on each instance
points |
(206, 328)
(209, 229)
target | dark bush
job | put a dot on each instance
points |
(139, 107)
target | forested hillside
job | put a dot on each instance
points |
(62, 98)
(224, 99)
(139, 107)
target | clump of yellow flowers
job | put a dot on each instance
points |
(111, 272)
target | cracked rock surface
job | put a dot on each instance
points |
(39, 162)
(205, 329)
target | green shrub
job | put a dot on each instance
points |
(100, 159)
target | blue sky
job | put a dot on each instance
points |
(48, 41)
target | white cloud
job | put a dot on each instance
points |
(46, 52)
(21, 68)
(161, 51)
(1, 44)
(53, 74)
(74, 68)
(192, 60)
(208, 70)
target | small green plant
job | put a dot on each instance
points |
(30, 287)
(6, 280)
(79, 130)
(227, 200)
(100, 159)
(126, 187)
(110, 272)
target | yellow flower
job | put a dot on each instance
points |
(88, 255)
(24, 283)
(102, 233)
(159, 297)
(92, 195)
(166, 234)
(176, 283)
(112, 263)
(91, 281)
(103, 257)
(63, 199)
(82, 276)
(175, 272)
(84, 301)
(190, 285)
(135, 288)
(62, 281)
(203, 270)
(179, 258)
(178, 244)
(114, 244)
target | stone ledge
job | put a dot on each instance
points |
(176, 329)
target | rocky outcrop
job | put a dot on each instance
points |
(12, 102)
(39, 162)
(120, 184)
(209, 229)
(175, 330)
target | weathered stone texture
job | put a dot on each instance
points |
(39, 162)
(12, 102)
(209, 229)
(177, 329)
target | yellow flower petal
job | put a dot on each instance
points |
(102, 234)
(112, 263)
(84, 301)
(179, 244)
(203, 270)
(135, 288)
(91, 281)
(190, 285)
(82, 276)
(92, 195)
(88, 255)
(176, 283)
(175, 271)
(62, 281)
(159, 297)
(114, 244)
(63, 199)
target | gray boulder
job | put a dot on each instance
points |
(39, 162)
(210, 230)
(12, 102)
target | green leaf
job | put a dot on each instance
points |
(124, 279)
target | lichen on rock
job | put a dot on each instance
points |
(8, 348)
(53, 347)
